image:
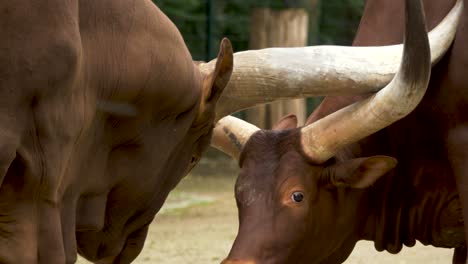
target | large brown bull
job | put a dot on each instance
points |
(307, 195)
(103, 111)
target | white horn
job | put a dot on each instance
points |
(230, 135)
(321, 139)
(262, 76)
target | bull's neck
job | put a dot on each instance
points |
(416, 201)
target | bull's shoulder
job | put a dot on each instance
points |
(417, 202)
(135, 53)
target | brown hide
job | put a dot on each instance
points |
(356, 195)
(422, 188)
(102, 112)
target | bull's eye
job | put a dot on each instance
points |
(297, 197)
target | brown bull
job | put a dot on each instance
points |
(307, 195)
(103, 111)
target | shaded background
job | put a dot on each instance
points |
(204, 22)
(198, 222)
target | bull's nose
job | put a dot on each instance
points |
(238, 261)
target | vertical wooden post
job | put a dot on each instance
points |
(278, 28)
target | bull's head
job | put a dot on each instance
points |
(293, 190)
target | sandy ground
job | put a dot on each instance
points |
(199, 222)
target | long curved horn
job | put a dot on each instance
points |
(262, 76)
(230, 135)
(321, 139)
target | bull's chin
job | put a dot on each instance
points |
(97, 252)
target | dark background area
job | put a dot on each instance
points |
(204, 22)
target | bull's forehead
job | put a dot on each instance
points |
(270, 145)
(269, 160)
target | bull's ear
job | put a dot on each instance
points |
(361, 172)
(215, 82)
(287, 122)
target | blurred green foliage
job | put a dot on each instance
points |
(332, 21)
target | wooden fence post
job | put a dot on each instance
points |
(278, 28)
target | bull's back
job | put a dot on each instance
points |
(131, 48)
(382, 22)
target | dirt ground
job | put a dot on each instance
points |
(199, 222)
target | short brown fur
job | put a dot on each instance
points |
(102, 112)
